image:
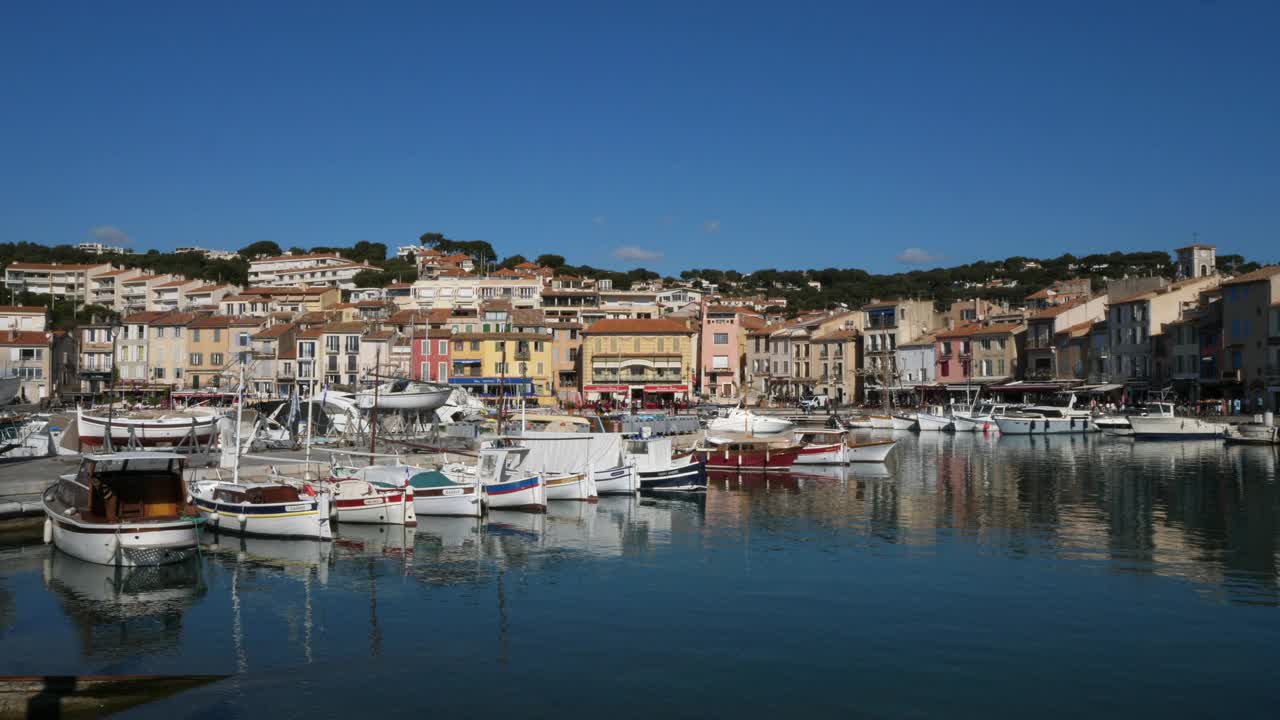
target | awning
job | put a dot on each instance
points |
(666, 388)
(466, 362)
(1097, 389)
(606, 388)
(1027, 387)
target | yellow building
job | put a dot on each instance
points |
(649, 361)
(486, 363)
(212, 344)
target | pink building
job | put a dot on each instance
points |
(431, 356)
(721, 351)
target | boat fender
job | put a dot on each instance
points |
(48, 531)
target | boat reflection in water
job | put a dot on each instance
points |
(294, 558)
(120, 612)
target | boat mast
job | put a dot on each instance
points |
(235, 471)
(373, 413)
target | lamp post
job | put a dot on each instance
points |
(111, 384)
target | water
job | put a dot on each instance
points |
(970, 576)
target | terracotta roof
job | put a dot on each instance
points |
(22, 309)
(528, 316)
(638, 326)
(345, 327)
(308, 256)
(311, 333)
(210, 321)
(314, 316)
(342, 306)
(142, 278)
(174, 318)
(528, 337)
(1264, 273)
(145, 318)
(838, 335)
(273, 332)
(439, 332)
(926, 339)
(1056, 310)
(247, 321)
(13, 338)
(286, 290)
(206, 288)
(457, 258)
(1078, 330)
(453, 272)
(111, 273)
(379, 334)
(174, 283)
(971, 330)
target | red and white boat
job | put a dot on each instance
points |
(362, 501)
(821, 447)
(150, 428)
(748, 455)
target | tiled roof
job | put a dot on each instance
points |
(1264, 273)
(1054, 311)
(309, 256)
(345, 327)
(174, 283)
(14, 338)
(210, 321)
(174, 318)
(22, 309)
(971, 330)
(273, 332)
(837, 335)
(637, 326)
(145, 318)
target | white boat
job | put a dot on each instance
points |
(359, 500)
(964, 423)
(506, 481)
(1044, 420)
(125, 509)
(860, 422)
(821, 447)
(983, 415)
(1167, 426)
(620, 480)
(903, 422)
(436, 493)
(869, 451)
(740, 420)
(1253, 434)
(881, 422)
(570, 486)
(933, 422)
(280, 509)
(147, 427)
(1118, 425)
(576, 462)
(659, 469)
(405, 395)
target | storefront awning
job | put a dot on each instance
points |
(1027, 387)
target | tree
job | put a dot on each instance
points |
(262, 248)
(550, 261)
(369, 279)
(431, 239)
(512, 261)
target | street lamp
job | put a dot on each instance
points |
(111, 385)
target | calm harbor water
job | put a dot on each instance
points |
(969, 576)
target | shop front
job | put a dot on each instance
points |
(493, 390)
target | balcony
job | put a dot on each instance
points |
(630, 377)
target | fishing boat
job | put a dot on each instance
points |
(403, 394)
(147, 427)
(280, 509)
(869, 451)
(741, 420)
(964, 423)
(507, 482)
(902, 422)
(748, 455)
(360, 500)
(659, 469)
(821, 447)
(1172, 427)
(934, 421)
(984, 415)
(859, 422)
(435, 493)
(124, 509)
(881, 422)
(620, 480)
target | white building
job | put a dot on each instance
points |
(211, 254)
(450, 291)
(339, 276)
(266, 272)
(61, 281)
(19, 317)
(98, 248)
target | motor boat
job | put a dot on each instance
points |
(1045, 420)
(279, 508)
(1165, 425)
(123, 509)
(740, 420)
(658, 468)
(1119, 425)
(1253, 434)
(403, 394)
(964, 423)
(934, 421)
(437, 494)
(147, 427)
(821, 447)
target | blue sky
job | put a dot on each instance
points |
(671, 135)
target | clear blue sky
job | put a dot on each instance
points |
(691, 134)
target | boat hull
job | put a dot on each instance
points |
(687, 476)
(621, 480)
(899, 423)
(933, 423)
(424, 401)
(574, 486)
(881, 422)
(306, 519)
(961, 423)
(125, 545)
(761, 460)
(361, 502)
(523, 494)
(93, 430)
(1175, 428)
(755, 425)
(1041, 426)
(833, 454)
(871, 452)
(457, 501)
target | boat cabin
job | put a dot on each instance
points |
(124, 487)
(820, 437)
(501, 461)
(257, 494)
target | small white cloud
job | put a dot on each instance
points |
(711, 226)
(599, 221)
(110, 234)
(631, 252)
(917, 256)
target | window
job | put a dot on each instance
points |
(353, 343)
(307, 349)
(158, 373)
(215, 359)
(177, 332)
(442, 347)
(442, 372)
(243, 339)
(159, 332)
(457, 346)
(195, 334)
(331, 343)
(720, 338)
(31, 354)
(217, 334)
(720, 362)
(195, 359)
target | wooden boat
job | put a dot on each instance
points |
(281, 509)
(740, 420)
(359, 500)
(881, 422)
(570, 486)
(859, 422)
(933, 422)
(150, 428)
(964, 423)
(125, 509)
(821, 447)
(903, 422)
(870, 451)
(620, 480)
(658, 469)
(404, 395)
(748, 455)
(435, 493)
(506, 482)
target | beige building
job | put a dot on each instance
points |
(835, 356)
(25, 354)
(22, 317)
(1133, 320)
(1251, 339)
(168, 348)
(648, 361)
